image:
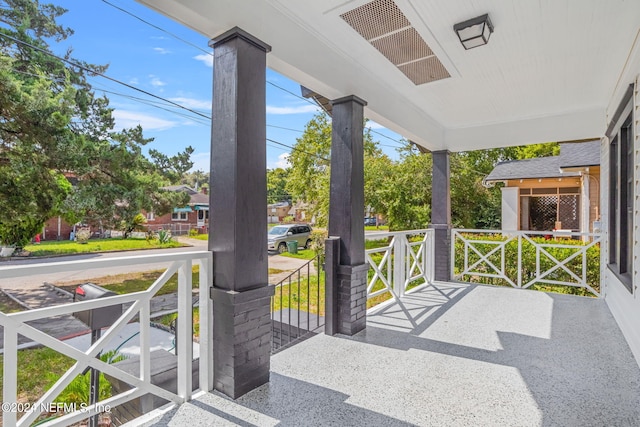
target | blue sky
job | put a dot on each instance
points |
(179, 70)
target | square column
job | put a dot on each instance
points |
(510, 208)
(346, 213)
(238, 201)
(441, 214)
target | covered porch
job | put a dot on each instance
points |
(447, 354)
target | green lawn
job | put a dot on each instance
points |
(302, 254)
(378, 228)
(96, 245)
(203, 236)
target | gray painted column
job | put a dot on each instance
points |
(441, 214)
(238, 201)
(346, 212)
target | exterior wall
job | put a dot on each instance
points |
(176, 226)
(280, 212)
(510, 208)
(51, 230)
(624, 305)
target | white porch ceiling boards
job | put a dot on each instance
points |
(547, 74)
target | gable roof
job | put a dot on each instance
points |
(583, 154)
(572, 155)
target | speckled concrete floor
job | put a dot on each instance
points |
(448, 355)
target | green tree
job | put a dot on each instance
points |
(195, 179)
(309, 175)
(276, 185)
(406, 190)
(55, 131)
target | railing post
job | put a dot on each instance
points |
(519, 260)
(332, 259)
(399, 268)
(145, 341)
(184, 344)
(206, 325)
(10, 374)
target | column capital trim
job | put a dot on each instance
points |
(440, 151)
(350, 98)
(237, 32)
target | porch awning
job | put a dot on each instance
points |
(201, 207)
(185, 209)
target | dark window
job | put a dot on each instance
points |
(621, 156)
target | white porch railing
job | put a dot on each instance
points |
(405, 262)
(180, 263)
(523, 259)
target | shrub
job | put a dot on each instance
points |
(164, 236)
(193, 232)
(529, 262)
(83, 235)
(288, 219)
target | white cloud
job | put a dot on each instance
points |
(134, 81)
(283, 162)
(155, 81)
(300, 109)
(129, 119)
(205, 59)
(201, 161)
(161, 50)
(198, 104)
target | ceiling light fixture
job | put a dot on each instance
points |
(474, 32)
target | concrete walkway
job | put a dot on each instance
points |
(448, 355)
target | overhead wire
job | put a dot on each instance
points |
(400, 143)
(150, 94)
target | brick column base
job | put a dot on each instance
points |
(442, 249)
(242, 339)
(352, 298)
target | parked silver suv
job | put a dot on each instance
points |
(279, 235)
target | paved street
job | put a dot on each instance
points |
(35, 281)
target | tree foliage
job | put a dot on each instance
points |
(276, 185)
(59, 152)
(401, 189)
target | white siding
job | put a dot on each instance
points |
(624, 306)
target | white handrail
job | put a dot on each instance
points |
(484, 257)
(180, 263)
(402, 262)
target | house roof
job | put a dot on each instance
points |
(199, 199)
(572, 155)
(554, 72)
(542, 167)
(195, 197)
(576, 155)
(181, 187)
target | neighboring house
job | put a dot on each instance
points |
(300, 213)
(56, 228)
(551, 193)
(183, 218)
(276, 212)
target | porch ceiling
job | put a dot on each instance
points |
(549, 72)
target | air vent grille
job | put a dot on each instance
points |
(375, 19)
(402, 46)
(425, 71)
(385, 27)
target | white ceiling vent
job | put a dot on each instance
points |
(384, 25)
